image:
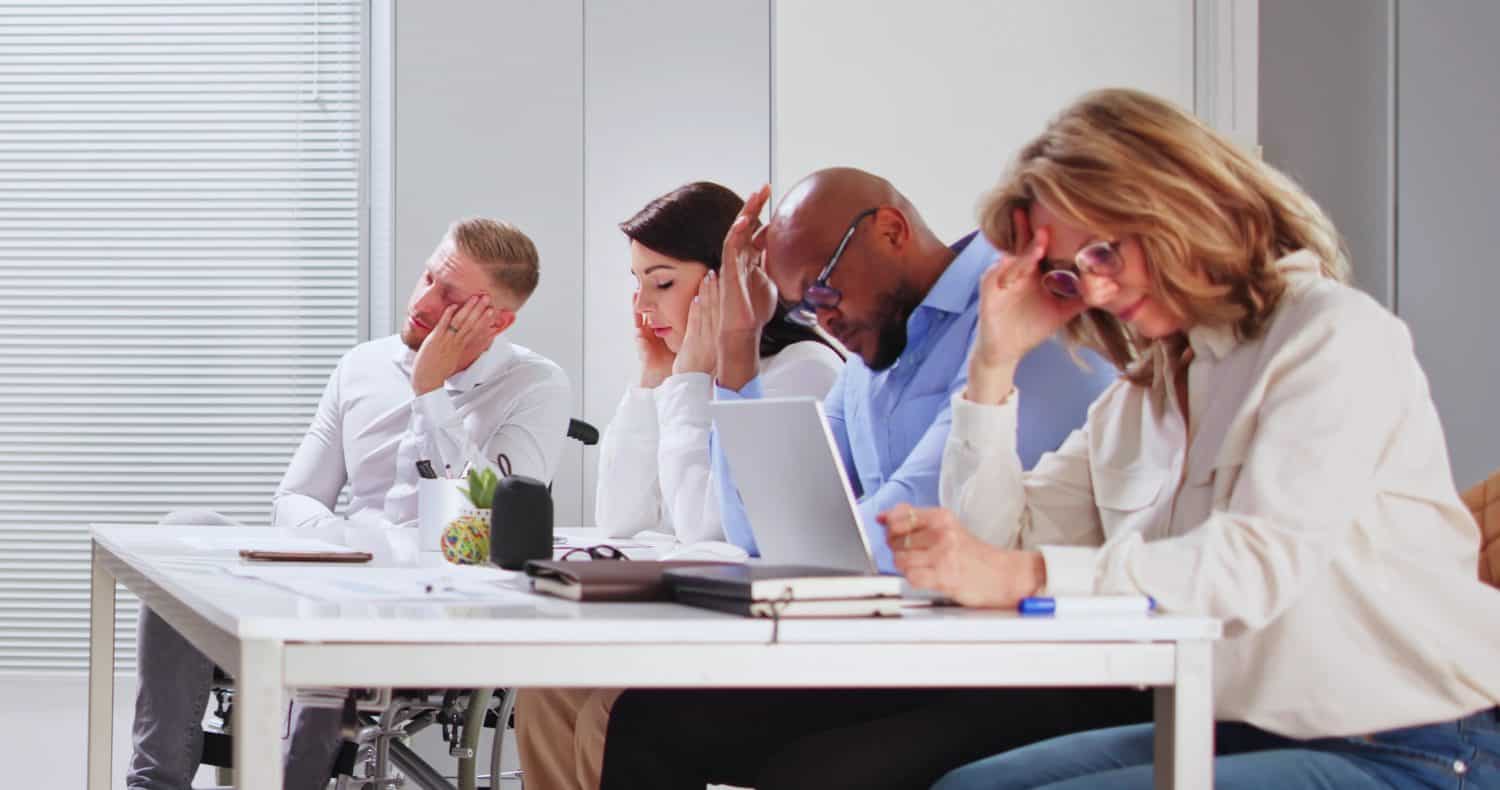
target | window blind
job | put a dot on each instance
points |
(180, 252)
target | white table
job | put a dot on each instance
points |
(273, 641)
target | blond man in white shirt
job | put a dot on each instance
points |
(1271, 457)
(449, 389)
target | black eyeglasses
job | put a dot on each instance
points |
(1100, 259)
(820, 295)
(603, 551)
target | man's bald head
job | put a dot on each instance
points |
(823, 203)
(891, 262)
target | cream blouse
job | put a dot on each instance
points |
(1308, 505)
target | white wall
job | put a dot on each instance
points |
(676, 92)
(489, 121)
(1448, 166)
(565, 118)
(937, 97)
(1325, 118)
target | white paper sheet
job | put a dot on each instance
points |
(352, 584)
(237, 543)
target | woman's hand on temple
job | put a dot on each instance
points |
(1016, 314)
(656, 358)
(700, 343)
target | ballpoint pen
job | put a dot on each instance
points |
(1087, 605)
(441, 585)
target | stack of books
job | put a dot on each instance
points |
(632, 580)
(786, 591)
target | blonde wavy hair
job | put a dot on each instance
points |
(1212, 220)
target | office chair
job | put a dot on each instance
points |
(585, 433)
(378, 722)
(1483, 500)
(501, 714)
(464, 714)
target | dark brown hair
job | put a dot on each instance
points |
(689, 224)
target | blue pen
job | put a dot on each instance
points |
(1087, 605)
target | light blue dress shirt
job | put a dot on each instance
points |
(891, 425)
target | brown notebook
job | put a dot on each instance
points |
(606, 580)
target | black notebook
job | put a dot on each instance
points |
(757, 582)
(883, 606)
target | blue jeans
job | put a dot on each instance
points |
(173, 692)
(1455, 754)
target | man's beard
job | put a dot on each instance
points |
(890, 342)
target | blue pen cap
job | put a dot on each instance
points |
(1037, 606)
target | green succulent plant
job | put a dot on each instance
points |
(481, 490)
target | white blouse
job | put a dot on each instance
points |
(653, 459)
(1308, 505)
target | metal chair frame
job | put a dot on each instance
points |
(378, 722)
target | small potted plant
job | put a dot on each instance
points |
(466, 540)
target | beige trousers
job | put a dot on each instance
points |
(560, 732)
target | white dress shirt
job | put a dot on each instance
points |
(370, 430)
(653, 459)
(1308, 505)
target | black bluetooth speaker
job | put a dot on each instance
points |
(520, 522)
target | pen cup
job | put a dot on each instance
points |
(439, 502)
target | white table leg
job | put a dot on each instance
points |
(101, 675)
(259, 710)
(1185, 722)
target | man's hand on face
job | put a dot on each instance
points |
(747, 297)
(461, 335)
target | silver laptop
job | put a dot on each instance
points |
(792, 479)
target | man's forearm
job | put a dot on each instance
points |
(307, 516)
(739, 358)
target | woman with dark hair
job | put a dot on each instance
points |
(653, 460)
(654, 471)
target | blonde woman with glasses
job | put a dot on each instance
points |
(1270, 457)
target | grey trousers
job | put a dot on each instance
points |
(169, 707)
